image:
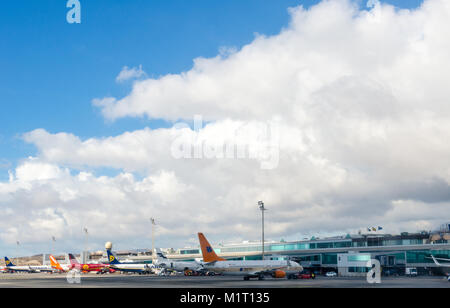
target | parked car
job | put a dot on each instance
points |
(302, 275)
(331, 274)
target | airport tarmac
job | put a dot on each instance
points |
(40, 280)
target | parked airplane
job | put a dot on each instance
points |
(445, 267)
(179, 266)
(99, 268)
(131, 268)
(10, 267)
(60, 267)
(247, 269)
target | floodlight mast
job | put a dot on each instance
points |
(262, 208)
(52, 248)
(152, 220)
(17, 254)
(85, 254)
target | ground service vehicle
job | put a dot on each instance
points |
(302, 275)
(411, 271)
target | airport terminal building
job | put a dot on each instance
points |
(346, 254)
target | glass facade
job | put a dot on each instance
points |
(189, 251)
(287, 247)
(359, 244)
(242, 249)
(296, 249)
(329, 258)
(392, 242)
(342, 244)
(355, 258)
(324, 245)
(314, 258)
(402, 242)
(423, 256)
(358, 269)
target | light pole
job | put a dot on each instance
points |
(85, 245)
(53, 246)
(262, 208)
(152, 220)
(17, 254)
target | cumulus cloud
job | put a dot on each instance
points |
(399, 54)
(43, 200)
(360, 100)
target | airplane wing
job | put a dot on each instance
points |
(443, 259)
(435, 260)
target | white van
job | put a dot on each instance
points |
(411, 271)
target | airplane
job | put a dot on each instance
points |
(131, 268)
(179, 266)
(248, 269)
(446, 267)
(85, 268)
(10, 267)
(57, 266)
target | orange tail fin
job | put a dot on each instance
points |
(55, 264)
(207, 251)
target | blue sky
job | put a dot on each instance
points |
(51, 70)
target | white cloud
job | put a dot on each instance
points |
(372, 3)
(398, 54)
(361, 99)
(35, 171)
(130, 73)
(114, 208)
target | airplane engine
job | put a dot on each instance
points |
(279, 274)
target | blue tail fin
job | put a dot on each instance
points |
(111, 258)
(8, 262)
(161, 256)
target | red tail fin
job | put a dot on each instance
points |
(73, 260)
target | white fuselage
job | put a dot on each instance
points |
(65, 267)
(19, 268)
(250, 268)
(32, 268)
(131, 267)
(42, 268)
(179, 266)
